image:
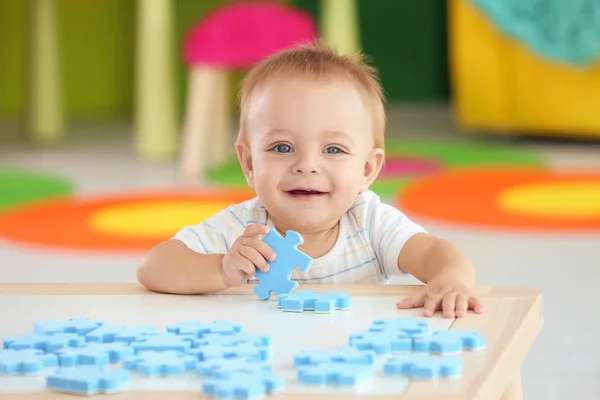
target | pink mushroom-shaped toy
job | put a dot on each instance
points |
(234, 36)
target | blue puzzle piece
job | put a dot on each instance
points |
(242, 350)
(346, 355)
(450, 341)
(319, 302)
(215, 339)
(335, 373)
(98, 354)
(119, 333)
(224, 367)
(382, 342)
(277, 278)
(243, 386)
(424, 366)
(411, 325)
(28, 361)
(153, 363)
(80, 326)
(47, 343)
(197, 328)
(162, 342)
(89, 380)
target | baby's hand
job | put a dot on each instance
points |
(452, 295)
(247, 253)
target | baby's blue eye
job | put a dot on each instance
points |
(283, 148)
(333, 150)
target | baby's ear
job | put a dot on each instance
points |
(373, 166)
(245, 159)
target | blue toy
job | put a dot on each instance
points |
(424, 366)
(154, 363)
(410, 325)
(215, 339)
(80, 326)
(224, 367)
(98, 354)
(243, 386)
(450, 341)
(28, 361)
(336, 373)
(277, 278)
(197, 328)
(345, 355)
(319, 302)
(119, 333)
(162, 342)
(47, 343)
(88, 380)
(242, 350)
(382, 342)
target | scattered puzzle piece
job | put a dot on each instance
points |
(410, 325)
(277, 278)
(335, 373)
(27, 361)
(162, 342)
(224, 367)
(47, 343)
(216, 339)
(242, 350)
(450, 341)
(89, 380)
(424, 366)
(80, 326)
(382, 342)
(98, 354)
(346, 355)
(153, 363)
(319, 302)
(243, 386)
(119, 333)
(198, 328)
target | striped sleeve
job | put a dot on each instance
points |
(388, 230)
(216, 234)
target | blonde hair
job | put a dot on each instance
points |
(315, 61)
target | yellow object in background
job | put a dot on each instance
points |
(500, 86)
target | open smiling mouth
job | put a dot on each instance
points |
(305, 194)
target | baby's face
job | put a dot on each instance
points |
(310, 145)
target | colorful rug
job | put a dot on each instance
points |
(508, 198)
(22, 186)
(120, 223)
(408, 159)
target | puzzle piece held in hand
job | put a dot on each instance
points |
(29, 361)
(89, 380)
(98, 354)
(242, 350)
(80, 326)
(450, 341)
(277, 278)
(162, 342)
(47, 343)
(318, 302)
(243, 386)
(424, 366)
(215, 339)
(410, 325)
(119, 333)
(382, 342)
(335, 373)
(224, 367)
(154, 363)
(197, 329)
(345, 355)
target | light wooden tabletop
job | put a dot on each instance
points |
(511, 322)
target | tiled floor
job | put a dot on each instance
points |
(564, 361)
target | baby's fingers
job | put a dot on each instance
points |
(261, 247)
(476, 305)
(448, 305)
(255, 258)
(414, 301)
(462, 302)
(432, 304)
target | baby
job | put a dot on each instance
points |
(310, 144)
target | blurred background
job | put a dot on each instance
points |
(117, 120)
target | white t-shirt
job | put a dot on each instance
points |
(370, 238)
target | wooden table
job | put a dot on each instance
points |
(511, 322)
